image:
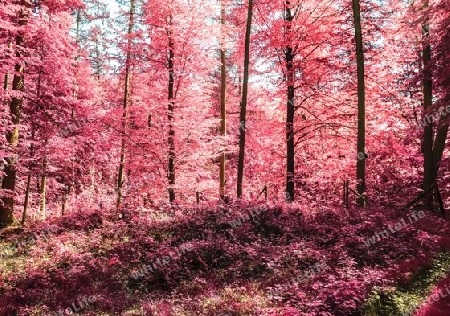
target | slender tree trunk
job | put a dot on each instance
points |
(6, 82)
(98, 68)
(27, 199)
(435, 201)
(223, 104)
(361, 144)
(28, 186)
(5, 88)
(290, 78)
(6, 78)
(43, 187)
(9, 181)
(428, 165)
(77, 57)
(242, 117)
(439, 146)
(43, 192)
(170, 114)
(121, 175)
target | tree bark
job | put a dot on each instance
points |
(439, 146)
(171, 114)
(77, 34)
(427, 86)
(433, 145)
(6, 82)
(6, 78)
(121, 175)
(43, 192)
(361, 143)
(242, 117)
(223, 104)
(290, 106)
(28, 186)
(64, 201)
(27, 198)
(9, 181)
(5, 88)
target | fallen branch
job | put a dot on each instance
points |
(417, 199)
(263, 191)
(358, 195)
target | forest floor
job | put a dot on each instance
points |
(227, 260)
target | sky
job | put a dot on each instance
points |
(113, 7)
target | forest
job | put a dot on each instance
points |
(224, 157)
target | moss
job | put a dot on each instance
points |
(405, 298)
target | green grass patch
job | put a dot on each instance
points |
(405, 298)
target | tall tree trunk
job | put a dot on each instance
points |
(170, 113)
(98, 67)
(5, 88)
(77, 55)
(121, 175)
(361, 143)
(43, 192)
(77, 34)
(427, 86)
(6, 82)
(439, 146)
(27, 198)
(242, 117)
(28, 185)
(223, 104)
(9, 181)
(6, 78)
(290, 106)
(64, 201)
